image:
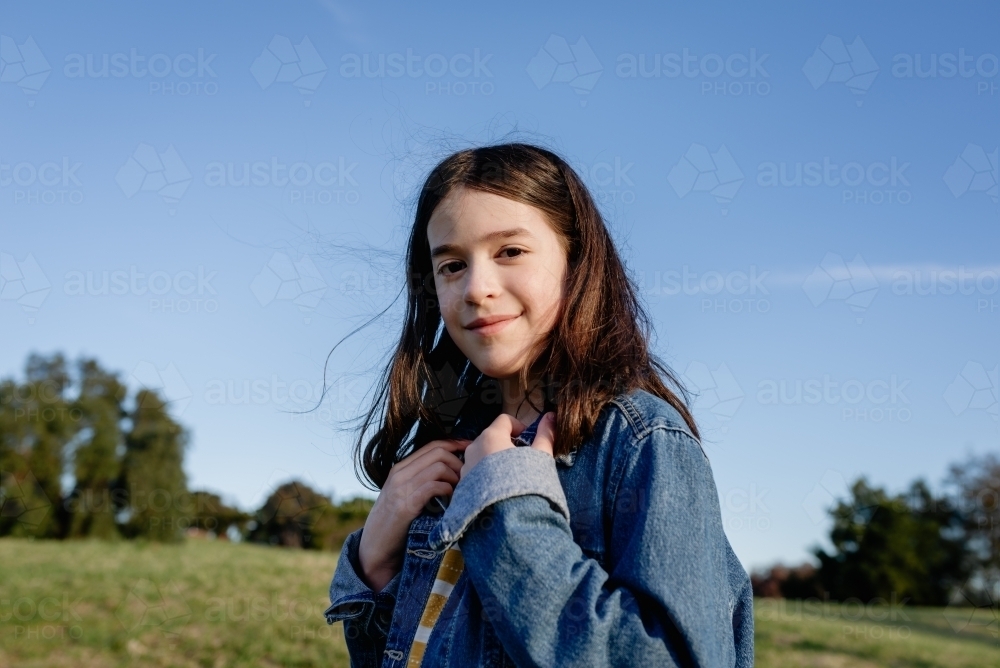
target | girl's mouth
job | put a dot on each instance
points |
(490, 325)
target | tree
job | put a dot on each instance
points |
(796, 582)
(125, 468)
(295, 515)
(152, 486)
(209, 513)
(96, 460)
(351, 515)
(290, 516)
(907, 546)
(36, 424)
(976, 488)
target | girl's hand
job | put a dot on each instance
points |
(431, 471)
(545, 437)
(498, 437)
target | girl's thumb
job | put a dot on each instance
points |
(545, 437)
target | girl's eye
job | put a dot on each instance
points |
(450, 267)
(455, 266)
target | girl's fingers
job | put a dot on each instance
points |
(431, 450)
(439, 461)
(545, 437)
(508, 424)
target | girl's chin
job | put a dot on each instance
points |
(495, 369)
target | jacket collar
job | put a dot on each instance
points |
(527, 437)
(476, 415)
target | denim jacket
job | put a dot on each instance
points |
(611, 555)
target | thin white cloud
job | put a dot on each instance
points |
(883, 273)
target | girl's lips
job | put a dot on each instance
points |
(492, 328)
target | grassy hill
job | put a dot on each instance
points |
(215, 604)
(790, 633)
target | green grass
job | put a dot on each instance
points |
(204, 603)
(215, 604)
(793, 633)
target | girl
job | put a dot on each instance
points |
(545, 500)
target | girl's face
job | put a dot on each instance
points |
(499, 270)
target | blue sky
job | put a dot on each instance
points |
(838, 323)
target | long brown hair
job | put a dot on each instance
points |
(598, 348)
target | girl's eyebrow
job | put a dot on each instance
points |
(499, 234)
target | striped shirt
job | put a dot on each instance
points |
(447, 575)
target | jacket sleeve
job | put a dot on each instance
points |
(667, 598)
(365, 613)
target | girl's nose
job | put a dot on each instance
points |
(480, 282)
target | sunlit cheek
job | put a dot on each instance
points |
(546, 292)
(449, 301)
(545, 313)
